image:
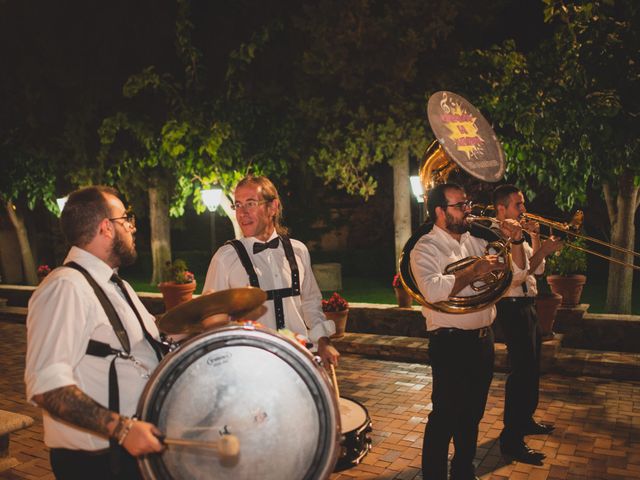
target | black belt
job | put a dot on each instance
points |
(475, 333)
(521, 300)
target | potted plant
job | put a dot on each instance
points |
(336, 309)
(565, 273)
(179, 284)
(547, 303)
(402, 296)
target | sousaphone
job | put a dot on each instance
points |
(466, 141)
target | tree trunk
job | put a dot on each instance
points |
(621, 214)
(401, 200)
(28, 263)
(160, 231)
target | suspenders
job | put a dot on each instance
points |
(277, 294)
(101, 349)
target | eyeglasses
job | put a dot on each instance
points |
(130, 218)
(462, 205)
(248, 205)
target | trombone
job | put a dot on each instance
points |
(571, 229)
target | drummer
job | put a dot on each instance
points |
(267, 258)
(80, 317)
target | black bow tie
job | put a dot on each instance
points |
(259, 247)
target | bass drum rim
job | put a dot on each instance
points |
(177, 362)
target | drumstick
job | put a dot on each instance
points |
(334, 380)
(227, 446)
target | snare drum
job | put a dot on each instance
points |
(254, 384)
(356, 426)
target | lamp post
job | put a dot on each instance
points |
(211, 199)
(418, 192)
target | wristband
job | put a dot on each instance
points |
(126, 428)
(517, 242)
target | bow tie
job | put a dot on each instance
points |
(259, 247)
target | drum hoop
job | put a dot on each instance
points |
(175, 363)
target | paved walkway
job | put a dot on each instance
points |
(597, 422)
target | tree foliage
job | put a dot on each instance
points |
(567, 111)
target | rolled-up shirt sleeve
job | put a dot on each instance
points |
(50, 360)
(519, 274)
(426, 267)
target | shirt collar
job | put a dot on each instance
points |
(252, 240)
(445, 237)
(99, 270)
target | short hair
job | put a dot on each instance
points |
(502, 193)
(437, 197)
(83, 212)
(269, 193)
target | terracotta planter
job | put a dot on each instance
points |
(340, 319)
(403, 297)
(569, 286)
(546, 307)
(174, 294)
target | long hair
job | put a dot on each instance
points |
(269, 193)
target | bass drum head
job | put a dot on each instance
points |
(251, 383)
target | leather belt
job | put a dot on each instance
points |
(475, 333)
(522, 300)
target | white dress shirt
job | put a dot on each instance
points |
(64, 314)
(302, 314)
(429, 258)
(532, 287)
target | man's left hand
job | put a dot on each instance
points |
(327, 352)
(511, 228)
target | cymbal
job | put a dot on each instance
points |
(187, 317)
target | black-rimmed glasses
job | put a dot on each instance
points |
(462, 206)
(130, 218)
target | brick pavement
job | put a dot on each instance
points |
(597, 422)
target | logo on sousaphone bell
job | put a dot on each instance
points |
(466, 136)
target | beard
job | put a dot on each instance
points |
(456, 226)
(123, 254)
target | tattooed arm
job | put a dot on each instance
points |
(72, 405)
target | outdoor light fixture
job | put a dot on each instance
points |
(211, 198)
(61, 203)
(416, 188)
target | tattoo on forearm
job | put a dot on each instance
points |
(74, 406)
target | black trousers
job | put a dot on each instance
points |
(519, 323)
(462, 368)
(83, 465)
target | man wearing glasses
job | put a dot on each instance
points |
(90, 344)
(267, 258)
(460, 345)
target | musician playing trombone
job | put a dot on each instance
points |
(516, 317)
(460, 345)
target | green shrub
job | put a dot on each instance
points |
(568, 261)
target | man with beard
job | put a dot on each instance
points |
(91, 343)
(460, 345)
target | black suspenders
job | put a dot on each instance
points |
(101, 349)
(277, 294)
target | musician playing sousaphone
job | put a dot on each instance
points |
(267, 258)
(460, 339)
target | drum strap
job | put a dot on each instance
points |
(276, 294)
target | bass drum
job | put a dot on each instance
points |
(252, 383)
